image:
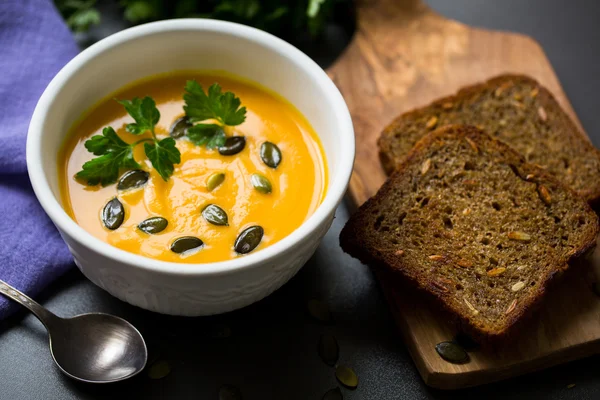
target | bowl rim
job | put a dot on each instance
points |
(52, 207)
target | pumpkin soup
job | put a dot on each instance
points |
(192, 167)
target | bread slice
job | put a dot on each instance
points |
(516, 110)
(467, 220)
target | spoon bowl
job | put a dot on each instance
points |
(92, 348)
(98, 348)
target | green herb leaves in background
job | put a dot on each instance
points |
(79, 15)
(224, 107)
(283, 18)
(115, 154)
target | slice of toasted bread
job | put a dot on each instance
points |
(516, 110)
(466, 219)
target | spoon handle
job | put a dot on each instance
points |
(45, 316)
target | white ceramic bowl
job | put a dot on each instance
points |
(189, 44)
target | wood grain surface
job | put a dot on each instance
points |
(403, 56)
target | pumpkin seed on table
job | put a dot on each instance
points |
(186, 243)
(179, 127)
(214, 181)
(452, 352)
(261, 183)
(270, 154)
(229, 392)
(333, 394)
(319, 310)
(233, 145)
(248, 239)
(328, 349)
(113, 214)
(153, 225)
(346, 376)
(215, 215)
(133, 179)
(159, 369)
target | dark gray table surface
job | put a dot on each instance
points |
(271, 351)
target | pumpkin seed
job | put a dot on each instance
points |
(214, 181)
(229, 392)
(452, 352)
(466, 342)
(133, 179)
(261, 183)
(113, 214)
(159, 369)
(346, 376)
(596, 288)
(233, 145)
(328, 349)
(180, 127)
(186, 243)
(319, 310)
(215, 215)
(153, 225)
(248, 239)
(270, 154)
(333, 394)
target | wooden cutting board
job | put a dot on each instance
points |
(402, 56)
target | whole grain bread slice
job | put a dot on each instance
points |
(516, 110)
(467, 220)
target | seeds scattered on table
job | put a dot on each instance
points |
(333, 394)
(159, 369)
(452, 352)
(328, 349)
(346, 376)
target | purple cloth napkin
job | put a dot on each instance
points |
(34, 44)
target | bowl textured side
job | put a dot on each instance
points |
(198, 295)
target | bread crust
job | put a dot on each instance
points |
(391, 157)
(352, 235)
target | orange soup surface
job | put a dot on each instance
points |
(298, 183)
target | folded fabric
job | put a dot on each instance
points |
(34, 44)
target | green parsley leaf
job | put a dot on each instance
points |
(108, 142)
(163, 154)
(211, 135)
(224, 107)
(114, 154)
(144, 112)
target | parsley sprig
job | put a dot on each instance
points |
(224, 108)
(114, 154)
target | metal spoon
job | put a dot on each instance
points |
(94, 348)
